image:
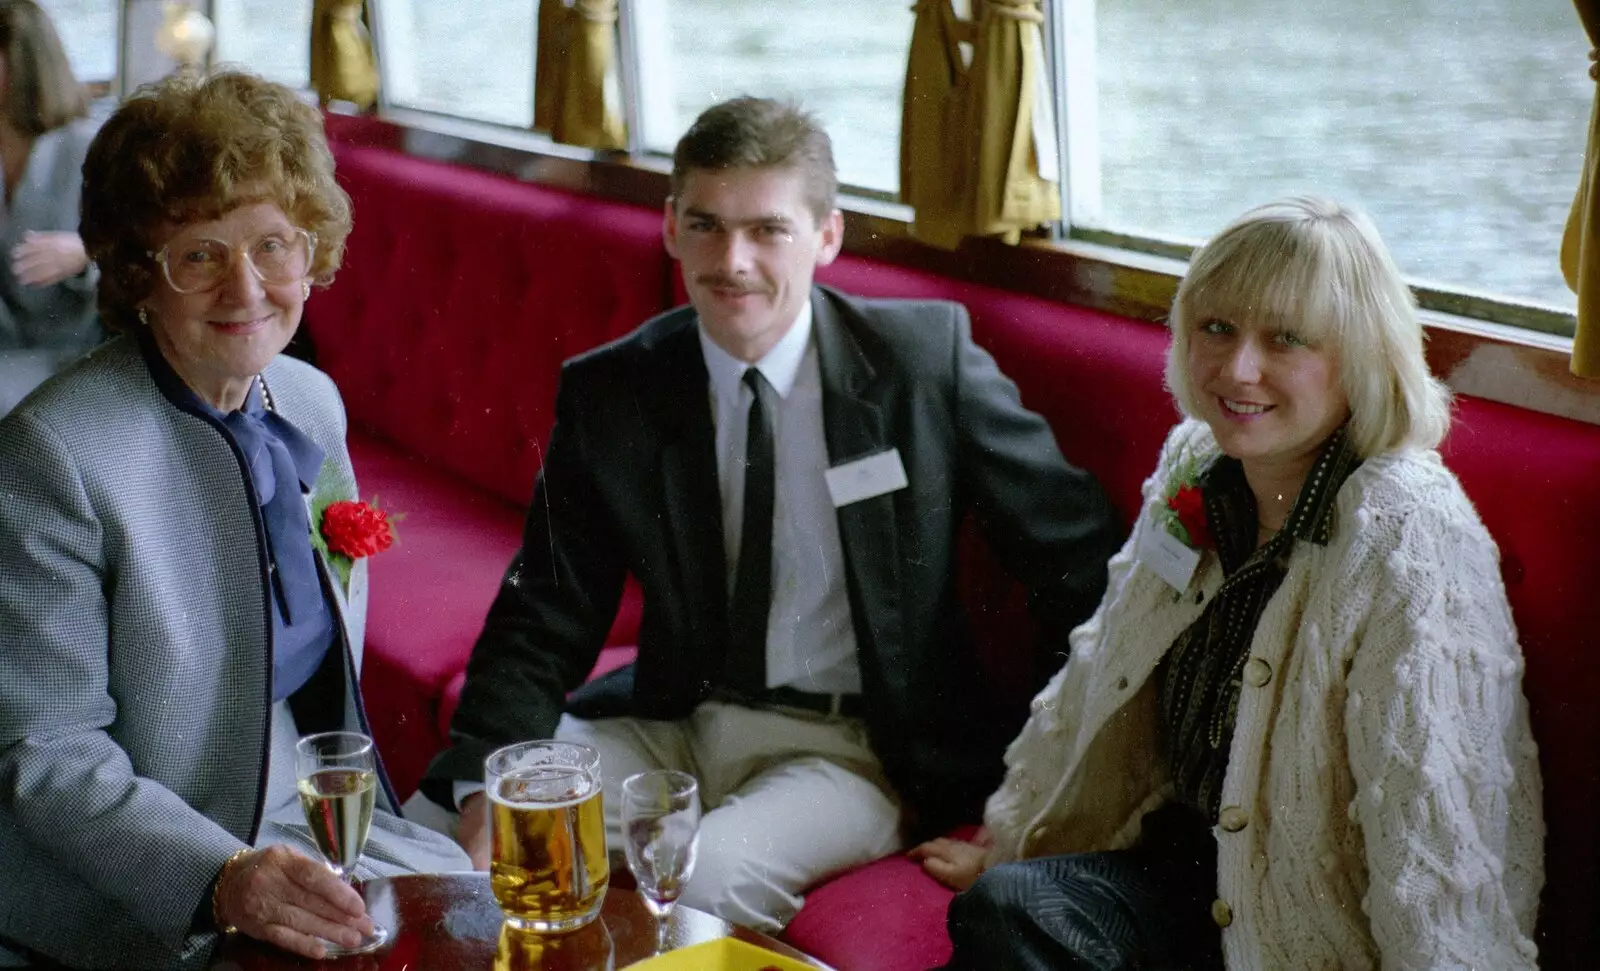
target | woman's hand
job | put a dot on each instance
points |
(284, 898)
(955, 863)
(473, 834)
(45, 258)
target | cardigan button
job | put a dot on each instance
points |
(1232, 819)
(1257, 672)
(1221, 912)
(1122, 684)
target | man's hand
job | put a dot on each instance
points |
(473, 835)
(45, 258)
(288, 899)
(955, 863)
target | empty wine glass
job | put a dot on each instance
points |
(661, 831)
(338, 781)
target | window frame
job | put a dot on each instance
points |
(1154, 263)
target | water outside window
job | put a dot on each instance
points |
(844, 59)
(469, 58)
(1459, 125)
(269, 37)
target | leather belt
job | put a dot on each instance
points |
(846, 705)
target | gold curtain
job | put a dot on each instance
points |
(576, 52)
(342, 65)
(1580, 244)
(969, 139)
(933, 155)
(1008, 71)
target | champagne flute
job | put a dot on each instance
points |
(661, 829)
(338, 782)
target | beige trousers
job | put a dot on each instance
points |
(790, 799)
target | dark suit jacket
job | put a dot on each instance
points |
(629, 486)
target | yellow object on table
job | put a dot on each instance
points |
(724, 955)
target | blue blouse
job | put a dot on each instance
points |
(283, 464)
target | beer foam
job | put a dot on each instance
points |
(544, 787)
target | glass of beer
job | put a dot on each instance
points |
(547, 861)
(338, 781)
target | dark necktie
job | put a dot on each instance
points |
(752, 591)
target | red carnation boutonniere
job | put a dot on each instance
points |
(1185, 510)
(346, 531)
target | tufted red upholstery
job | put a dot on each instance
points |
(452, 314)
(447, 355)
(1532, 478)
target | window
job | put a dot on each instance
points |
(270, 37)
(88, 30)
(472, 60)
(1458, 125)
(846, 61)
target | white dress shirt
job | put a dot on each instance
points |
(811, 643)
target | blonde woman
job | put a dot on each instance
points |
(1293, 735)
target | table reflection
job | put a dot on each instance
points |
(589, 949)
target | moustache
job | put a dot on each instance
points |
(741, 287)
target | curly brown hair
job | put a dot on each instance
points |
(188, 149)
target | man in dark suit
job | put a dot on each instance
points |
(784, 468)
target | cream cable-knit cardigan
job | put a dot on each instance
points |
(1382, 800)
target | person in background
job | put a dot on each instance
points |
(47, 314)
(802, 649)
(1309, 749)
(168, 627)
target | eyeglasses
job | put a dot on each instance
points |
(198, 265)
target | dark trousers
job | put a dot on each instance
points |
(1142, 909)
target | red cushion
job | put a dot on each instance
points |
(1533, 478)
(461, 294)
(428, 596)
(885, 916)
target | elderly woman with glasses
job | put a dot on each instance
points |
(170, 619)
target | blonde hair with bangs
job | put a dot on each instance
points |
(1319, 270)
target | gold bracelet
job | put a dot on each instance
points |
(223, 927)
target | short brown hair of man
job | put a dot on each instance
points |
(760, 133)
(190, 149)
(41, 92)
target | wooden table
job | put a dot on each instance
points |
(445, 922)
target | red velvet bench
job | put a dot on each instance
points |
(462, 293)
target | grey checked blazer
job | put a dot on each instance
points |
(135, 674)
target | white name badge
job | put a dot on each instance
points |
(865, 478)
(1171, 560)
